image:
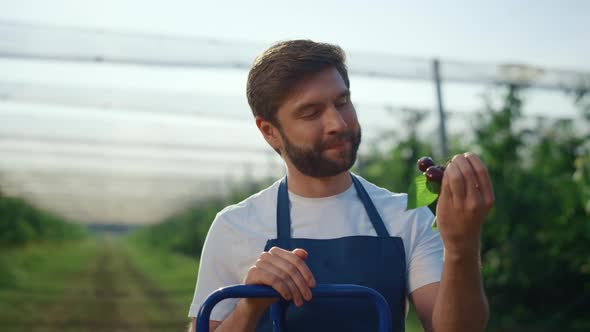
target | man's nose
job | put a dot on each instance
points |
(335, 121)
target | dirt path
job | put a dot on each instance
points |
(111, 294)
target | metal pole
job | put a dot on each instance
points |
(441, 112)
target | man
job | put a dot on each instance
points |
(322, 224)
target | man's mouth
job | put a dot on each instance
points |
(337, 145)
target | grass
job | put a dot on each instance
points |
(173, 273)
(88, 286)
(32, 276)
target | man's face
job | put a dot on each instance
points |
(319, 130)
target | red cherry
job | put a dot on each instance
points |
(424, 162)
(434, 173)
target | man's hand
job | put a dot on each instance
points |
(286, 272)
(465, 200)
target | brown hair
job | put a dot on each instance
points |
(283, 65)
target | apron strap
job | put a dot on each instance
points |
(370, 208)
(284, 210)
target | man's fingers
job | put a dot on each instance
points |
(455, 183)
(297, 262)
(445, 189)
(483, 178)
(473, 198)
(294, 289)
(290, 271)
(259, 276)
(301, 253)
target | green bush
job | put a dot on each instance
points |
(21, 223)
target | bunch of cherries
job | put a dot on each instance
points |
(432, 172)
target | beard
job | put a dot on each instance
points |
(312, 162)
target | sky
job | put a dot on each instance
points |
(548, 34)
(149, 121)
(542, 32)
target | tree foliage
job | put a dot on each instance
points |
(21, 223)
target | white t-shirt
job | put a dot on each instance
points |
(239, 233)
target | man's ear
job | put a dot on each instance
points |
(269, 132)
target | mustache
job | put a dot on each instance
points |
(347, 135)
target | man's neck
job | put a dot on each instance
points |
(313, 187)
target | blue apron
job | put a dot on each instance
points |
(378, 262)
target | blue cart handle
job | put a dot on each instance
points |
(325, 290)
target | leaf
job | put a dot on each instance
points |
(433, 187)
(421, 193)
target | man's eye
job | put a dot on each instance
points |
(311, 115)
(342, 103)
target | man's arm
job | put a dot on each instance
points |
(458, 302)
(461, 301)
(213, 324)
(423, 300)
